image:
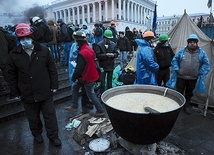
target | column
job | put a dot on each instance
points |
(132, 12)
(100, 11)
(73, 13)
(106, 10)
(145, 15)
(88, 12)
(138, 14)
(124, 10)
(135, 12)
(78, 15)
(83, 13)
(69, 15)
(141, 14)
(94, 14)
(112, 9)
(128, 12)
(119, 7)
(64, 16)
(60, 14)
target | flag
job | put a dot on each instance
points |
(154, 24)
(209, 4)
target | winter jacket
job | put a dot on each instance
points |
(91, 36)
(123, 44)
(55, 33)
(33, 76)
(146, 65)
(107, 63)
(163, 55)
(85, 70)
(204, 68)
(114, 33)
(3, 50)
(40, 32)
(64, 33)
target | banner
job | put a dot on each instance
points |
(154, 24)
(209, 4)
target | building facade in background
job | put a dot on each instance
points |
(165, 24)
(133, 13)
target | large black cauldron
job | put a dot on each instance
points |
(142, 128)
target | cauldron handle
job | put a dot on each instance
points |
(151, 110)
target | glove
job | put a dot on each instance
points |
(53, 90)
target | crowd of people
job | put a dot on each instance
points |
(30, 67)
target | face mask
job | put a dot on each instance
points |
(27, 43)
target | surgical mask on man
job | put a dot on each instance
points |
(26, 43)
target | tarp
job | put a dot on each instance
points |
(178, 41)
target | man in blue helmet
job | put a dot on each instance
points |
(189, 68)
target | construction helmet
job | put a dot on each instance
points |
(163, 37)
(79, 35)
(108, 34)
(112, 23)
(193, 37)
(23, 30)
(148, 34)
(35, 19)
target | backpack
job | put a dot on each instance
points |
(98, 32)
(11, 40)
(127, 77)
(49, 35)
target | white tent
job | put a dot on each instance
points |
(179, 35)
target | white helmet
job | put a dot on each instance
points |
(36, 18)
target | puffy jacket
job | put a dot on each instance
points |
(146, 65)
(204, 68)
(32, 77)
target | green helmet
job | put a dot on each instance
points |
(163, 37)
(108, 34)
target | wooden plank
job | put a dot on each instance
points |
(92, 129)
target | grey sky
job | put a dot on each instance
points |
(171, 7)
(165, 7)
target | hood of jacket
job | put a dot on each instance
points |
(142, 42)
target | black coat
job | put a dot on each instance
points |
(123, 44)
(32, 77)
(163, 55)
(105, 62)
(3, 50)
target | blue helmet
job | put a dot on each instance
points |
(193, 37)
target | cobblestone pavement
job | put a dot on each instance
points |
(191, 133)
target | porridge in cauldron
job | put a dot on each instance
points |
(135, 102)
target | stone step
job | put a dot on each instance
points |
(10, 110)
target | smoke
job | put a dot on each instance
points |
(23, 8)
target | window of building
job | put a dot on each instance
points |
(90, 19)
(102, 7)
(90, 9)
